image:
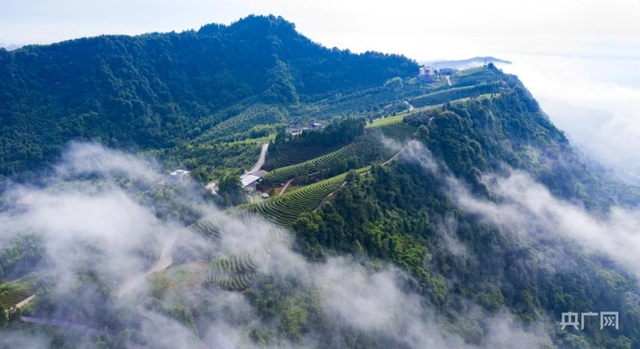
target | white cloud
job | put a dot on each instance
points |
(107, 228)
(523, 206)
(596, 101)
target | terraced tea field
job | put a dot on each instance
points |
(210, 227)
(292, 156)
(390, 120)
(455, 93)
(234, 267)
(10, 299)
(282, 174)
(233, 272)
(286, 208)
(235, 263)
(398, 132)
(231, 282)
(368, 149)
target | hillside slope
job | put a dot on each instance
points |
(160, 90)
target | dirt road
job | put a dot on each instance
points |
(25, 302)
(63, 324)
(163, 263)
(411, 108)
(392, 158)
(326, 198)
(286, 186)
(260, 162)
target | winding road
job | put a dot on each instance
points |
(163, 263)
(260, 162)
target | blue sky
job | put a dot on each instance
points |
(580, 58)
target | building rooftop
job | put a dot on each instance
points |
(179, 173)
(248, 179)
(260, 173)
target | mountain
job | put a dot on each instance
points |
(162, 90)
(9, 47)
(466, 63)
(449, 214)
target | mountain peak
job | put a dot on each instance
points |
(252, 24)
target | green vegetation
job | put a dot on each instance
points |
(282, 174)
(365, 150)
(20, 255)
(233, 156)
(232, 272)
(211, 226)
(287, 149)
(230, 188)
(160, 91)
(205, 100)
(293, 155)
(396, 213)
(455, 93)
(235, 263)
(475, 76)
(10, 296)
(286, 208)
(355, 155)
(391, 120)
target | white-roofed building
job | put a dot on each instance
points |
(178, 175)
(248, 179)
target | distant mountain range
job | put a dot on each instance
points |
(465, 63)
(9, 47)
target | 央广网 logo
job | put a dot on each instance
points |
(577, 321)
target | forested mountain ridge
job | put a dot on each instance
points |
(160, 90)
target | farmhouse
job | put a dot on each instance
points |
(250, 180)
(313, 126)
(178, 175)
(426, 74)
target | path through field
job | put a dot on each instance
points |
(326, 198)
(286, 186)
(395, 156)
